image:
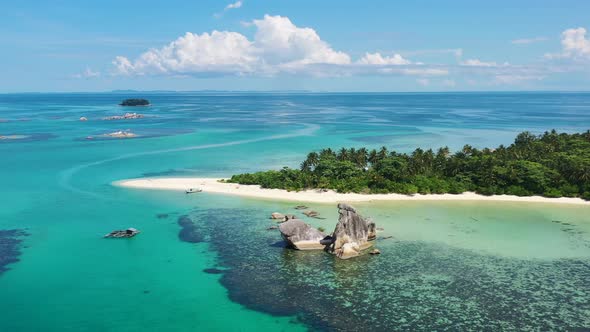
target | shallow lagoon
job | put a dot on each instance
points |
(474, 265)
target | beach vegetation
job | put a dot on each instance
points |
(551, 164)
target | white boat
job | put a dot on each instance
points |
(193, 190)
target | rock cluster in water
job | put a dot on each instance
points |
(126, 116)
(120, 134)
(352, 234)
(300, 235)
(135, 102)
(469, 289)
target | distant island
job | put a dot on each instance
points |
(135, 102)
(551, 165)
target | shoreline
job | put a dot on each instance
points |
(211, 185)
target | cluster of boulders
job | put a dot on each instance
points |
(126, 116)
(282, 217)
(353, 234)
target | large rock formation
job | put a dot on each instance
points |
(353, 233)
(301, 235)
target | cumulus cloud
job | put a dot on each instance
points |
(479, 63)
(219, 51)
(278, 46)
(575, 44)
(280, 42)
(525, 41)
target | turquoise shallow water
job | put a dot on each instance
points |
(464, 265)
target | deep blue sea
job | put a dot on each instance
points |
(449, 265)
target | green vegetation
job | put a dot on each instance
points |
(135, 102)
(552, 165)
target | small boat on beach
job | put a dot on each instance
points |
(129, 232)
(193, 190)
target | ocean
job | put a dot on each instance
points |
(444, 265)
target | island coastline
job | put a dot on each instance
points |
(215, 185)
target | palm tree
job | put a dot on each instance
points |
(372, 157)
(312, 159)
(382, 154)
(305, 166)
(343, 154)
(360, 157)
(327, 153)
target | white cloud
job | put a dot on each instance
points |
(378, 59)
(479, 63)
(220, 51)
(87, 73)
(234, 5)
(525, 41)
(278, 45)
(574, 43)
(575, 46)
(282, 43)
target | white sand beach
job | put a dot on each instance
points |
(211, 185)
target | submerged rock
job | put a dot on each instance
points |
(352, 234)
(276, 215)
(311, 213)
(281, 217)
(300, 235)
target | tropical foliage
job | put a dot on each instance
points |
(552, 164)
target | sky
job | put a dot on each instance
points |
(371, 45)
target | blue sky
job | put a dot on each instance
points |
(294, 45)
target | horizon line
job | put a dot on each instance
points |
(123, 91)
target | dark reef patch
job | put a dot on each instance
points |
(10, 245)
(414, 286)
(213, 271)
(189, 231)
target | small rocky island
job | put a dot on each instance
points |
(135, 102)
(352, 234)
(126, 116)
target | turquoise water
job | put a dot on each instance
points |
(448, 265)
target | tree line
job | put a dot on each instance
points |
(552, 164)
